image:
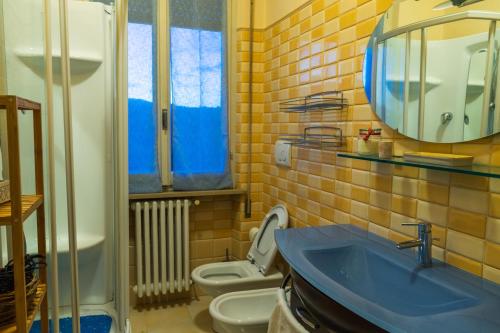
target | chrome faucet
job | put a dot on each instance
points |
(424, 243)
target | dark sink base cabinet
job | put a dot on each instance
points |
(320, 314)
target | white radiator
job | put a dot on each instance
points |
(162, 247)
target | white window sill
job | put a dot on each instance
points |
(185, 194)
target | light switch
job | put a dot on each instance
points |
(283, 153)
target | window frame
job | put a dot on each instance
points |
(163, 88)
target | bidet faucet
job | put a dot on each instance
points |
(423, 243)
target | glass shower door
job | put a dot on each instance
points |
(91, 34)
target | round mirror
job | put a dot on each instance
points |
(431, 69)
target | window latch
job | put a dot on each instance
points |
(164, 119)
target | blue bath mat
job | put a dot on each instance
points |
(88, 324)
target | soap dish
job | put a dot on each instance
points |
(438, 158)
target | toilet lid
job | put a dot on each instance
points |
(263, 249)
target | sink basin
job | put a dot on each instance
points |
(366, 275)
(369, 274)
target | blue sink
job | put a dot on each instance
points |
(368, 274)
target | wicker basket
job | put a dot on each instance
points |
(4, 191)
(8, 302)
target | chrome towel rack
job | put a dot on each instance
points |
(316, 136)
(322, 137)
(324, 101)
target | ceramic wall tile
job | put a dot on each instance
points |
(321, 47)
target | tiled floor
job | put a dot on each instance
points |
(182, 317)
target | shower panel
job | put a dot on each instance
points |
(92, 66)
(474, 93)
(475, 90)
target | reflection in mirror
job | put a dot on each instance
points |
(413, 85)
(474, 95)
(390, 81)
(453, 108)
(435, 79)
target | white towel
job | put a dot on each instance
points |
(282, 319)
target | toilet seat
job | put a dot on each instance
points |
(264, 248)
(256, 272)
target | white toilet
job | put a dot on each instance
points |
(254, 273)
(243, 311)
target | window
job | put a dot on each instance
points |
(178, 117)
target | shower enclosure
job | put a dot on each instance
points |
(91, 31)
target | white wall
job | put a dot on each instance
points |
(277, 9)
(267, 12)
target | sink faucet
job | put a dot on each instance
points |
(424, 243)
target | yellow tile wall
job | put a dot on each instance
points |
(320, 47)
(242, 225)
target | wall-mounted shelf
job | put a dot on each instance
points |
(476, 84)
(475, 87)
(475, 169)
(415, 80)
(80, 62)
(322, 137)
(430, 82)
(325, 101)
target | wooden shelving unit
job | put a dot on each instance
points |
(32, 311)
(20, 207)
(29, 203)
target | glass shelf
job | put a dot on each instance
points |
(475, 169)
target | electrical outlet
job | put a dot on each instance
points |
(283, 153)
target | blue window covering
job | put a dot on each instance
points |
(200, 138)
(144, 173)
